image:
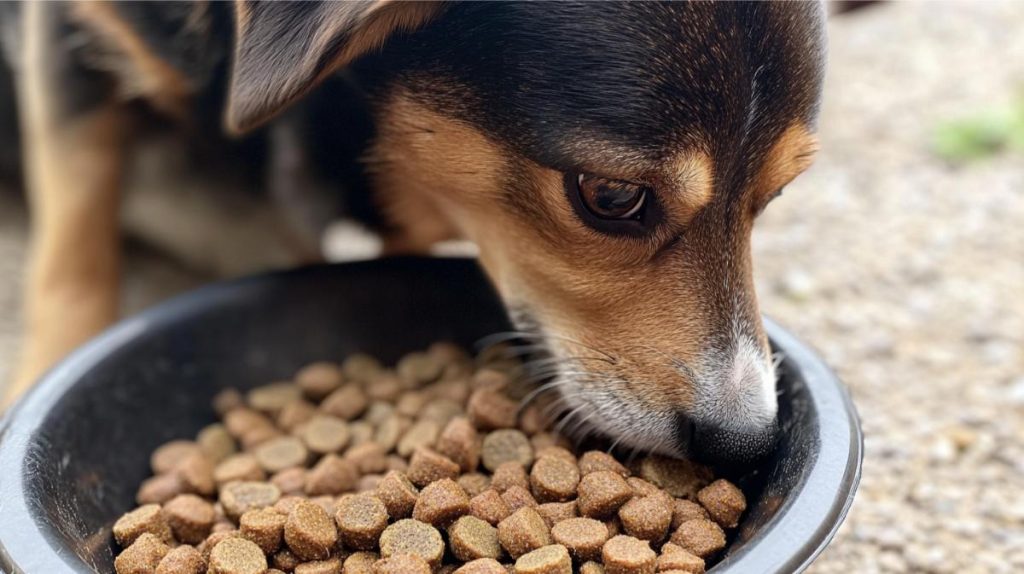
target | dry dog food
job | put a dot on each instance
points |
(427, 467)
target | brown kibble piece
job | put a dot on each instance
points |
(169, 455)
(675, 558)
(295, 414)
(459, 441)
(385, 387)
(196, 474)
(428, 465)
(423, 433)
(419, 368)
(390, 431)
(411, 403)
(190, 518)
(584, 537)
(280, 453)
(474, 483)
(591, 568)
(329, 566)
(238, 498)
(522, 532)
(471, 538)
(290, 480)
(159, 489)
(701, 537)
(409, 536)
(555, 451)
(685, 510)
(489, 506)
(332, 475)
(182, 560)
(242, 466)
(532, 420)
(554, 478)
(265, 527)
(440, 503)
(325, 434)
(482, 566)
(398, 494)
(361, 367)
(206, 547)
(360, 563)
(257, 436)
(441, 409)
(309, 531)
(679, 478)
(601, 493)
(506, 445)
(628, 555)
(724, 502)
(243, 421)
(595, 460)
(237, 556)
(216, 443)
(273, 397)
(369, 457)
(227, 400)
(489, 408)
(517, 497)
(509, 474)
(402, 564)
(555, 512)
(360, 519)
(646, 518)
(142, 556)
(142, 520)
(347, 403)
(553, 559)
(317, 380)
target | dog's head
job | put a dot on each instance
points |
(609, 159)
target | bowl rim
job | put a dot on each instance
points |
(789, 542)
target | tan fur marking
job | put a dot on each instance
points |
(791, 154)
(692, 173)
(156, 80)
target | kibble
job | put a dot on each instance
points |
(628, 555)
(360, 468)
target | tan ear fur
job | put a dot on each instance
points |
(284, 49)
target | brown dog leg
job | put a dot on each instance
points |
(74, 139)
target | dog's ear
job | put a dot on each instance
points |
(284, 49)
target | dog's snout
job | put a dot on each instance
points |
(717, 445)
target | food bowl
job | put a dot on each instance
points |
(74, 450)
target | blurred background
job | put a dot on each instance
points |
(899, 255)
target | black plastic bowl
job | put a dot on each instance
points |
(74, 450)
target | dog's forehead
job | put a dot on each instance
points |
(568, 83)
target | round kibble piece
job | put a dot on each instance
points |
(325, 434)
(553, 559)
(591, 568)
(347, 403)
(459, 441)
(474, 483)
(216, 443)
(227, 400)
(265, 527)
(628, 555)
(159, 489)
(471, 538)
(428, 466)
(280, 453)
(518, 497)
(646, 518)
(398, 494)
(273, 397)
(409, 536)
(489, 507)
(489, 408)
(309, 531)
(506, 445)
(724, 502)
(332, 475)
(402, 564)
(595, 460)
(317, 380)
(142, 556)
(679, 478)
(237, 556)
(142, 520)
(190, 518)
(555, 512)
(685, 510)
(360, 519)
(554, 479)
(584, 537)
(481, 566)
(239, 497)
(329, 566)
(601, 493)
(422, 433)
(522, 532)
(700, 537)
(169, 455)
(290, 480)
(182, 560)
(196, 474)
(673, 557)
(509, 474)
(360, 563)
(241, 466)
(295, 414)
(369, 457)
(440, 503)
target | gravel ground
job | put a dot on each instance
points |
(904, 272)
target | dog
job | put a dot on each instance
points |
(608, 159)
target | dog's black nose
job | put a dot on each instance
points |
(720, 446)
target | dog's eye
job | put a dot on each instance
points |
(610, 198)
